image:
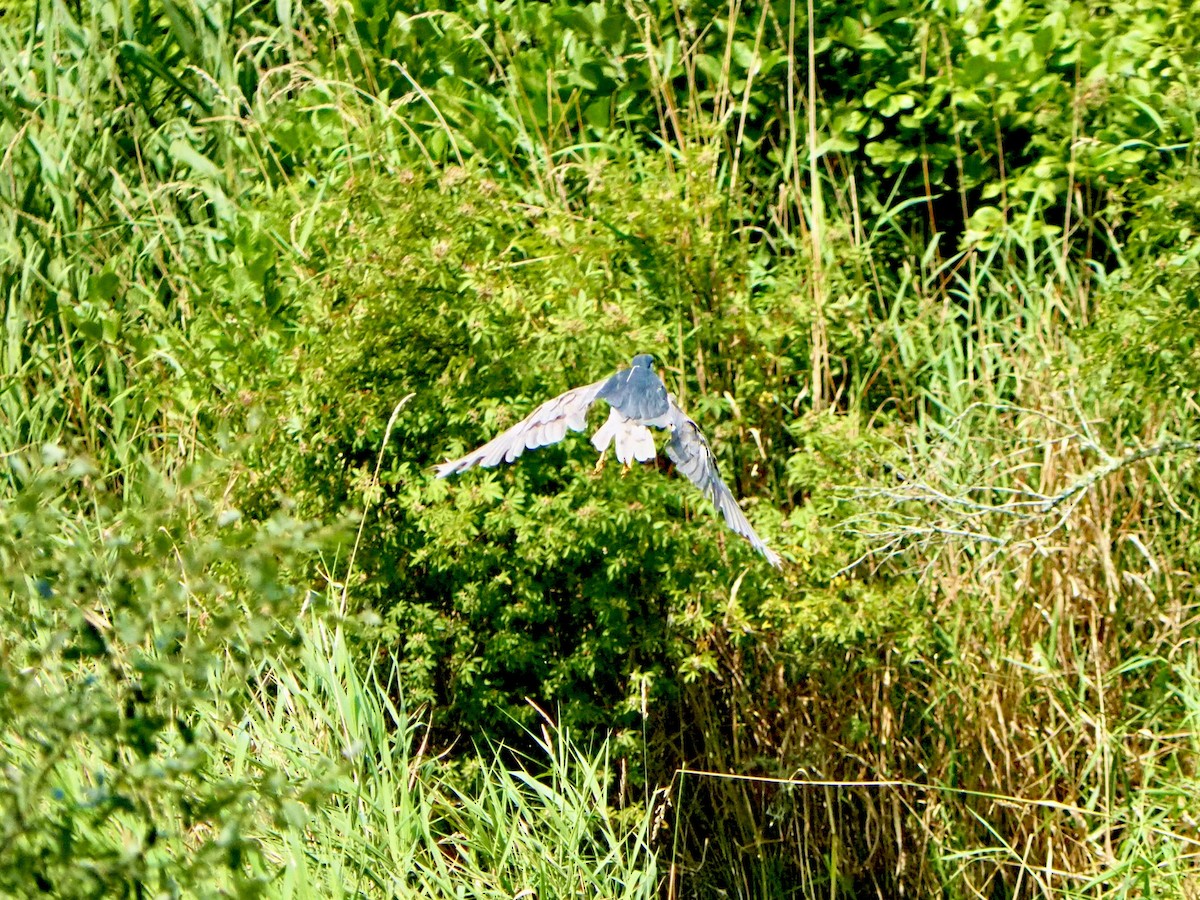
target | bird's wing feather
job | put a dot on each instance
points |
(546, 425)
(691, 454)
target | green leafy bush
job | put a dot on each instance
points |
(128, 633)
(538, 581)
(989, 115)
(1146, 339)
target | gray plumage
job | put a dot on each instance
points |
(638, 393)
(691, 454)
(638, 399)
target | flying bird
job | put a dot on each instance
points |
(637, 399)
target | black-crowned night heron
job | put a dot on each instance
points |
(638, 399)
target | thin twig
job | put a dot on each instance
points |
(387, 433)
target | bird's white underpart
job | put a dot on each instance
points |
(633, 440)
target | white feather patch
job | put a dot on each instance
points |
(633, 441)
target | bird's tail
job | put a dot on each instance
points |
(633, 441)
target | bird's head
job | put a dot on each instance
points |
(643, 361)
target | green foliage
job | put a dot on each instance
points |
(401, 822)
(120, 621)
(177, 718)
(126, 164)
(989, 115)
(945, 347)
(1011, 108)
(541, 580)
(1147, 337)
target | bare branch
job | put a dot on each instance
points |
(992, 503)
(1115, 464)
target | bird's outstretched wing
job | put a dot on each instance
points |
(545, 425)
(691, 454)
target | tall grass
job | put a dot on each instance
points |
(400, 824)
(1038, 738)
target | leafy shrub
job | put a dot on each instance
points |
(126, 632)
(1146, 340)
(592, 594)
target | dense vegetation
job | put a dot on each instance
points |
(927, 274)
